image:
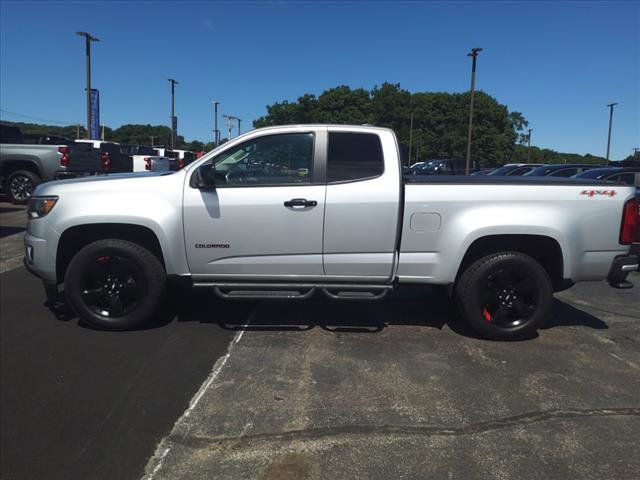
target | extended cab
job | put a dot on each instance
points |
(288, 212)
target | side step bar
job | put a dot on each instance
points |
(296, 291)
(253, 294)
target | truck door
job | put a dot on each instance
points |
(362, 207)
(264, 218)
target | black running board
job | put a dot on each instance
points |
(299, 291)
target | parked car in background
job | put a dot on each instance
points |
(183, 157)
(515, 169)
(484, 171)
(633, 162)
(628, 175)
(132, 150)
(165, 152)
(455, 166)
(114, 158)
(153, 163)
(145, 159)
(23, 165)
(560, 170)
(45, 139)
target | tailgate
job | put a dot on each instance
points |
(84, 158)
(160, 164)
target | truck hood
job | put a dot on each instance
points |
(101, 182)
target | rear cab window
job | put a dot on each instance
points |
(354, 156)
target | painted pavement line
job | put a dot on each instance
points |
(155, 463)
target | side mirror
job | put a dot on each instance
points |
(204, 177)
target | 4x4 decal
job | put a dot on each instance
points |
(592, 193)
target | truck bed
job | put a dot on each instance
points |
(507, 180)
(581, 215)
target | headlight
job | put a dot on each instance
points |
(40, 206)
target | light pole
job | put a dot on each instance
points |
(88, 38)
(611, 105)
(216, 132)
(473, 54)
(173, 117)
(529, 145)
(410, 138)
(239, 120)
(230, 119)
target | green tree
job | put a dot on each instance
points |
(439, 119)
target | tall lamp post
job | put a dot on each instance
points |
(173, 117)
(239, 121)
(529, 145)
(474, 55)
(216, 132)
(611, 105)
(88, 38)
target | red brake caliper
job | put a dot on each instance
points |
(486, 315)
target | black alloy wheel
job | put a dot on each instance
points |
(510, 297)
(505, 295)
(115, 284)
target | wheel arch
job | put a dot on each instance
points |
(76, 237)
(544, 249)
(13, 165)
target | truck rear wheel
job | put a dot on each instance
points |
(505, 295)
(20, 184)
(114, 284)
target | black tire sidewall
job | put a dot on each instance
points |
(470, 286)
(34, 178)
(149, 265)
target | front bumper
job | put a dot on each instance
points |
(39, 258)
(622, 266)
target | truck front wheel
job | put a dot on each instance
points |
(20, 184)
(114, 284)
(505, 295)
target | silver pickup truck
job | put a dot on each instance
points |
(288, 212)
(24, 165)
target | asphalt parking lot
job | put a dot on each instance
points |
(316, 390)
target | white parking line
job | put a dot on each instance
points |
(155, 463)
(631, 364)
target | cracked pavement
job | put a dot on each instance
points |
(341, 391)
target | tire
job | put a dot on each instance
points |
(505, 296)
(115, 284)
(20, 185)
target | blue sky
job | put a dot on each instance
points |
(559, 64)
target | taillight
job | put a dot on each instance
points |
(147, 163)
(65, 159)
(180, 163)
(106, 161)
(629, 228)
